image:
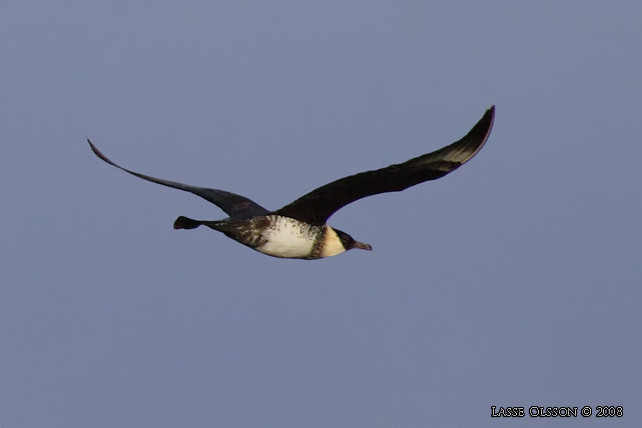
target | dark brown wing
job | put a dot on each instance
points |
(236, 206)
(317, 206)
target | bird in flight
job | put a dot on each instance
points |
(299, 229)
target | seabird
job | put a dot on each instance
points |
(299, 230)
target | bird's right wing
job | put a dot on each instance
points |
(236, 206)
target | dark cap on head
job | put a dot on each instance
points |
(349, 242)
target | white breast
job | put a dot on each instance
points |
(288, 238)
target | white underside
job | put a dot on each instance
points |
(287, 239)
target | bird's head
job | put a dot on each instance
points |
(349, 242)
(336, 242)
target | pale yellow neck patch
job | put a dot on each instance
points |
(332, 245)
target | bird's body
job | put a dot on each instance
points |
(287, 237)
(299, 229)
(279, 236)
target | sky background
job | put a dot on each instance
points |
(514, 281)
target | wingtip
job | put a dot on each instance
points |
(490, 113)
(466, 148)
(485, 125)
(100, 154)
(94, 149)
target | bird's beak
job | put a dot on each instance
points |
(362, 246)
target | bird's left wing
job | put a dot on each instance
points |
(317, 206)
(236, 206)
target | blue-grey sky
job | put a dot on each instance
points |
(514, 281)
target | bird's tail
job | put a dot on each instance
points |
(186, 223)
(183, 222)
